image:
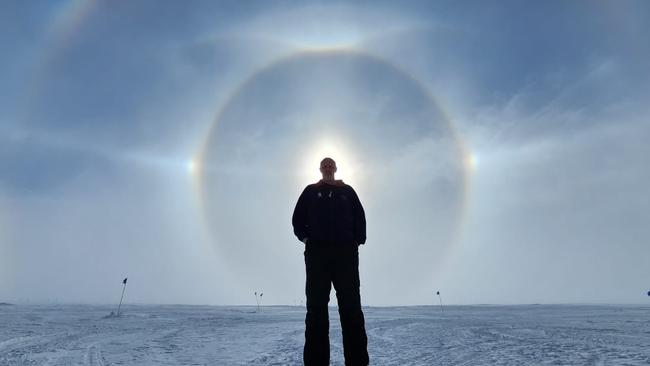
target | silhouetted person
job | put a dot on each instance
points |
(331, 222)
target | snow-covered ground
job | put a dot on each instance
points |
(203, 335)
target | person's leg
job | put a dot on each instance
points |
(346, 282)
(317, 289)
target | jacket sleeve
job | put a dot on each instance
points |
(359, 219)
(299, 219)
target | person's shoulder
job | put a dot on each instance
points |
(347, 186)
(350, 189)
(309, 187)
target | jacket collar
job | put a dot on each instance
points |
(336, 183)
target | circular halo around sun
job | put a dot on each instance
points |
(391, 141)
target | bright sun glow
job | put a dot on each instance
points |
(346, 163)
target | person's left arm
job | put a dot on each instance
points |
(359, 219)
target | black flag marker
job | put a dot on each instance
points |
(123, 288)
(257, 300)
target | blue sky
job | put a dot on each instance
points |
(499, 147)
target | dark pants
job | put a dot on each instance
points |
(338, 265)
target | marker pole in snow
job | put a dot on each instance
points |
(257, 300)
(122, 297)
(440, 298)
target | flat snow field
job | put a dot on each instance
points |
(207, 335)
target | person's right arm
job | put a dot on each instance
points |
(299, 219)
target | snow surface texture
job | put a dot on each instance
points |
(202, 335)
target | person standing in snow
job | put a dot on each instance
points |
(330, 220)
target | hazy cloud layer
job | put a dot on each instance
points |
(500, 150)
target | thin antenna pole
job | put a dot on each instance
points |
(122, 297)
(440, 298)
(257, 300)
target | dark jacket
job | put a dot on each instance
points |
(330, 213)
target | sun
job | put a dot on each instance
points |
(347, 163)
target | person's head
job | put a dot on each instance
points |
(328, 168)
